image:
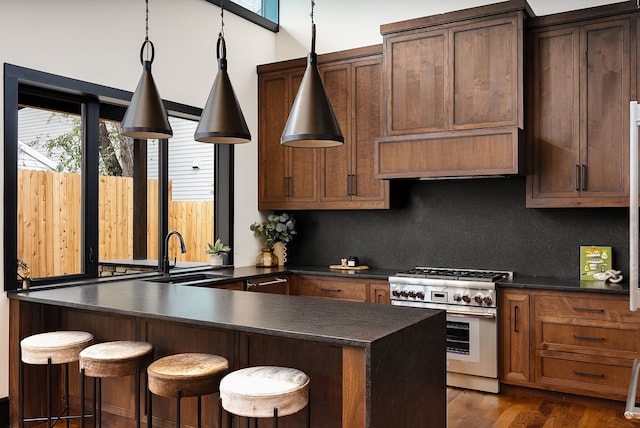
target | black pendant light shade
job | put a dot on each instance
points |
(312, 122)
(222, 120)
(146, 116)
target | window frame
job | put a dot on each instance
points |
(250, 16)
(91, 97)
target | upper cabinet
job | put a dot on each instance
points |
(330, 178)
(454, 94)
(581, 84)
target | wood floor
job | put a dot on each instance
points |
(534, 409)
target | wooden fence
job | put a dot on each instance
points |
(50, 226)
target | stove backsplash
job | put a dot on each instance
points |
(481, 224)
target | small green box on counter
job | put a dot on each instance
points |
(594, 260)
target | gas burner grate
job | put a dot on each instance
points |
(455, 274)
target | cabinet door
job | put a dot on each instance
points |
(486, 73)
(605, 96)
(555, 136)
(335, 162)
(379, 292)
(515, 349)
(367, 126)
(273, 111)
(417, 78)
(287, 176)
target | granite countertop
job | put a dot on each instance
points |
(557, 284)
(297, 317)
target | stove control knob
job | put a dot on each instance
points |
(478, 298)
(396, 293)
(466, 298)
(457, 297)
(412, 294)
(404, 293)
(487, 300)
(420, 295)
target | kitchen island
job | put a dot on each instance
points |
(370, 365)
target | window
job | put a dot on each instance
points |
(264, 13)
(82, 201)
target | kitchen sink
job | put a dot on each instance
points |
(184, 278)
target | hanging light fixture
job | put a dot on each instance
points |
(146, 116)
(222, 120)
(312, 122)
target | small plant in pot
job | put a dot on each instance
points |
(216, 251)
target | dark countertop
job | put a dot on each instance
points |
(556, 284)
(297, 317)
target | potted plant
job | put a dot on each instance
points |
(276, 231)
(216, 251)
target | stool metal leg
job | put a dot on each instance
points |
(275, 417)
(199, 424)
(82, 416)
(178, 397)
(98, 419)
(49, 392)
(21, 392)
(138, 396)
(149, 401)
(66, 393)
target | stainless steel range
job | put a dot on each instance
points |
(469, 297)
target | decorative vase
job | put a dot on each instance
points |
(267, 258)
(216, 260)
(280, 250)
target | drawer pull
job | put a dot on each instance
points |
(581, 373)
(599, 310)
(332, 290)
(599, 339)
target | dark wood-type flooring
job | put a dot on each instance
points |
(535, 409)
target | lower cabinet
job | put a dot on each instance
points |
(331, 287)
(568, 341)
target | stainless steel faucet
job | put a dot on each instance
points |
(165, 260)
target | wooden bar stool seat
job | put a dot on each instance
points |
(56, 347)
(186, 375)
(113, 359)
(265, 391)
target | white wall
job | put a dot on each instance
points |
(99, 41)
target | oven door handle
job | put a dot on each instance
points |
(472, 314)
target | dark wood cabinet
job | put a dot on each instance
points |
(286, 176)
(331, 287)
(514, 332)
(332, 178)
(579, 343)
(454, 94)
(581, 85)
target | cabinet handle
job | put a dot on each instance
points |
(332, 290)
(262, 284)
(515, 319)
(583, 177)
(348, 184)
(577, 177)
(598, 339)
(577, 309)
(353, 184)
(289, 187)
(581, 373)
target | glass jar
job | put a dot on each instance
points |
(267, 258)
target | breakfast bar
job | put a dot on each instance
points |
(370, 365)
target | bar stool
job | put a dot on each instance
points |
(113, 359)
(265, 391)
(185, 375)
(56, 347)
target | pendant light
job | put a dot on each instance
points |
(222, 120)
(312, 122)
(146, 116)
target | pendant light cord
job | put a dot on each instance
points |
(222, 18)
(146, 21)
(147, 44)
(313, 29)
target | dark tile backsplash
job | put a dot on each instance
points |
(468, 223)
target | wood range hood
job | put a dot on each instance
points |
(453, 91)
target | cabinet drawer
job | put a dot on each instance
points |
(600, 376)
(588, 338)
(595, 308)
(333, 288)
